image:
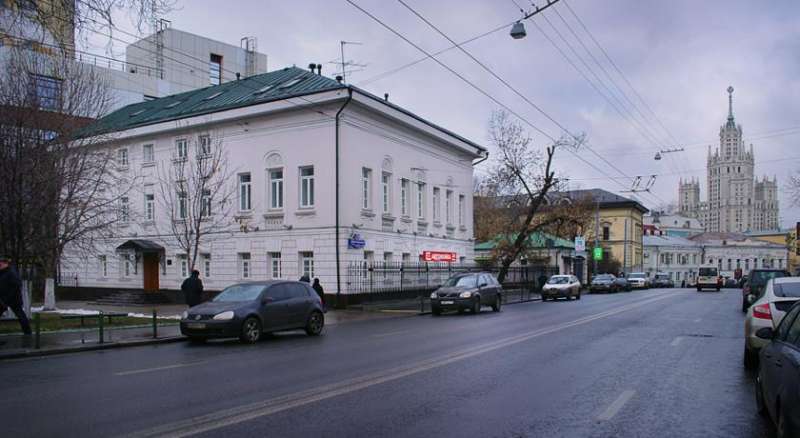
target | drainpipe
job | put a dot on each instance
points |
(338, 243)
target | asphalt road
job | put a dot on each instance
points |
(642, 364)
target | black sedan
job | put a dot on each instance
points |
(604, 283)
(467, 291)
(248, 310)
(778, 379)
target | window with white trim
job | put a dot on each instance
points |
(204, 145)
(307, 187)
(421, 201)
(437, 209)
(448, 206)
(307, 264)
(386, 192)
(244, 265)
(404, 197)
(206, 265)
(276, 189)
(122, 157)
(103, 265)
(275, 265)
(461, 201)
(184, 262)
(149, 207)
(366, 178)
(124, 209)
(245, 192)
(148, 154)
(205, 204)
(182, 210)
(181, 149)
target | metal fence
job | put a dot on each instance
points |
(398, 278)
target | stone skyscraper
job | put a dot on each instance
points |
(737, 201)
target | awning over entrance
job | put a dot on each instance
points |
(141, 246)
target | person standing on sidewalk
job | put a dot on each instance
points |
(192, 289)
(320, 291)
(11, 293)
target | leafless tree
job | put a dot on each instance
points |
(199, 193)
(58, 187)
(516, 192)
(793, 188)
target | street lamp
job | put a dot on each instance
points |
(518, 31)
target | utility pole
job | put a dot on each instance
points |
(596, 235)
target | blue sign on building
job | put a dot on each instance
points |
(356, 241)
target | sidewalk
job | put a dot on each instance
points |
(16, 345)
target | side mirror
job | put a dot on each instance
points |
(765, 333)
(482, 285)
(267, 300)
(751, 298)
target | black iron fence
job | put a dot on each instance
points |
(408, 279)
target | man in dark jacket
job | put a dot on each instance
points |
(192, 289)
(11, 293)
(317, 286)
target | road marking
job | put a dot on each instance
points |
(383, 335)
(165, 367)
(698, 320)
(676, 341)
(240, 414)
(614, 407)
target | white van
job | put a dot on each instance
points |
(708, 278)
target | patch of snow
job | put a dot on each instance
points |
(66, 311)
(142, 315)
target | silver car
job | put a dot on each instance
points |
(767, 311)
(566, 286)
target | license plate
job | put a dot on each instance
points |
(447, 302)
(195, 325)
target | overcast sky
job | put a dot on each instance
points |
(680, 56)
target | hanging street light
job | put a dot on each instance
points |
(518, 31)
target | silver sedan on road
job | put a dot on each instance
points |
(567, 286)
(767, 311)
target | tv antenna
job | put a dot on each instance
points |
(344, 63)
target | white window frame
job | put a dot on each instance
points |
(386, 192)
(461, 201)
(103, 262)
(421, 201)
(437, 205)
(307, 263)
(206, 265)
(404, 197)
(206, 207)
(306, 186)
(275, 189)
(148, 153)
(275, 265)
(149, 207)
(204, 145)
(124, 209)
(181, 149)
(448, 207)
(245, 191)
(184, 265)
(366, 188)
(245, 266)
(122, 157)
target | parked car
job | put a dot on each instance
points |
(467, 291)
(604, 283)
(623, 284)
(756, 281)
(662, 280)
(777, 383)
(566, 286)
(767, 311)
(708, 278)
(638, 280)
(248, 310)
(731, 283)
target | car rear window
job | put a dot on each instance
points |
(708, 272)
(760, 278)
(787, 290)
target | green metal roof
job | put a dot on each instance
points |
(266, 87)
(535, 240)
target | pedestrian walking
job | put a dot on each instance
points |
(192, 289)
(305, 278)
(11, 293)
(320, 291)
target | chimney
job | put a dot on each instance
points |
(339, 78)
(312, 67)
(319, 69)
(386, 96)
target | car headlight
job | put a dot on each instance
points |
(185, 314)
(465, 294)
(224, 316)
(433, 295)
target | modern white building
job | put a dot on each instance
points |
(325, 174)
(673, 224)
(737, 201)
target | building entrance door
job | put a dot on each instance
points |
(150, 271)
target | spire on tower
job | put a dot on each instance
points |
(730, 107)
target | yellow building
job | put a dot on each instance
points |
(617, 224)
(786, 237)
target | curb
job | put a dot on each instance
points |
(95, 347)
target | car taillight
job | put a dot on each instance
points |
(762, 311)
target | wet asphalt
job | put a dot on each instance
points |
(641, 364)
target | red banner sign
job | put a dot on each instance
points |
(438, 256)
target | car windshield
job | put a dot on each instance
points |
(662, 276)
(637, 275)
(604, 277)
(708, 272)
(760, 278)
(787, 289)
(558, 280)
(239, 292)
(462, 281)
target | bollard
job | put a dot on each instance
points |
(155, 325)
(100, 326)
(37, 323)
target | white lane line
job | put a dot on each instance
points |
(698, 320)
(614, 407)
(240, 414)
(383, 335)
(150, 370)
(676, 341)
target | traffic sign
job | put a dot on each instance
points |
(580, 244)
(598, 253)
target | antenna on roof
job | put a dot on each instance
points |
(344, 63)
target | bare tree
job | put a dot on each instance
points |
(793, 188)
(59, 187)
(517, 187)
(199, 193)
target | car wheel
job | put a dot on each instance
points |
(476, 306)
(761, 407)
(251, 330)
(315, 323)
(750, 359)
(498, 302)
(698, 288)
(578, 297)
(197, 340)
(436, 311)
(717, 289)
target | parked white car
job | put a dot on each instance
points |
(567, 286)
(638, 280)
(767, 311)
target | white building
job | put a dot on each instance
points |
(674, 224)
(674, 255)
(737, 201)
(292, 137)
